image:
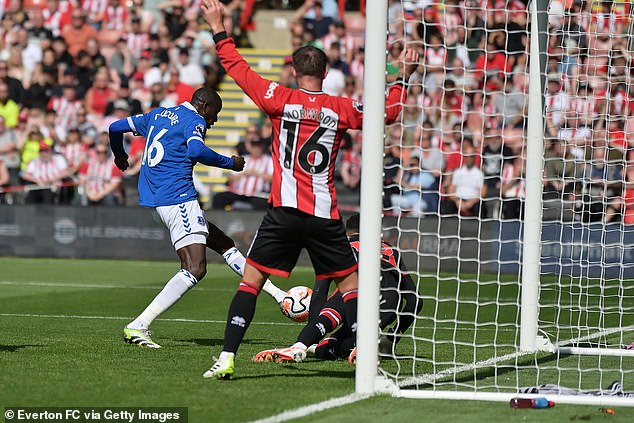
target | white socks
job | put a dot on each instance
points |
(182, 282)
(273, 291)
(300, 346)
(236, 261)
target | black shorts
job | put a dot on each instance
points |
(285, 231)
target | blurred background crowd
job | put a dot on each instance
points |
(69, 68)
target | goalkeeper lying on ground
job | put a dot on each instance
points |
(399, 306)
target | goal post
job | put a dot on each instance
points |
(371, 198)
(527, 285)
(534, 183)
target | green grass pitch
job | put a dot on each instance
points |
(60, 345)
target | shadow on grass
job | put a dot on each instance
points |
(14, 348)
(215, 342)
(528, 363)
(301, 372)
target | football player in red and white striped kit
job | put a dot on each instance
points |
(308, 126)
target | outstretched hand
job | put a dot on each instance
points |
(409, 58)
(122, 162)
(212, 12)
(238, 163)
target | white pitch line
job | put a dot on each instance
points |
(312, 408)
(96, 286)
(70, 316)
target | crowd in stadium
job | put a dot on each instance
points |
(69, 68)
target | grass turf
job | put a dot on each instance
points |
(80, 360)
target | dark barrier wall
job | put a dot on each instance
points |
(448, 244)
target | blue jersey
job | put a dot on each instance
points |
(166, 170)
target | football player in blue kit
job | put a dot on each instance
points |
(175, 143)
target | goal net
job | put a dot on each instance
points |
(508, 190)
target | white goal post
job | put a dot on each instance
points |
(517, 303)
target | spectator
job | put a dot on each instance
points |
(514, 188)
(512, 106)
(9, 109)
(570, 38)
(466, 188)
(62, 56)
(334, 58)
(134, 105)
(30, 146)
(99, 95)
(174, 17)
(351, 167)
(190, 73)
(72, 149)
(56, 16)
(492, 61)
(560, 169)
(495, 155)
(334, 83)
(159, 97)
(37, 30)
(623, 206)
(30, 53)
(86, 128)
(248, 190)
(78, 32)
(41, 90)
(66, 108)
(14, 86)
(413, 183)
(601, 186)
(4, 179)
(431, 161)
(252, 134)
(9, 152)
(47, 171)
(123, 60)
(317, 19)
(557, 102)
(100, 179)
(337, 33)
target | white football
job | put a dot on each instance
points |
(296, 302)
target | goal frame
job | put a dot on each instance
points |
(367, 377)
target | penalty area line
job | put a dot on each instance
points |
(70, 316)
(313, 408)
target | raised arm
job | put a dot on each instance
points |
(260, 90)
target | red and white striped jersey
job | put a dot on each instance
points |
(137, 42)
(556, 105)
(435, 57)
(66, 111)
(308, 128)
(252, 185)
(584, 107)
(49, 170)
(95, 9)
(346, 42)
(115, 18)
(518, 187)
(357, 69)
(55, 21)
(449, 22)
(98, 174)
(74, 153)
